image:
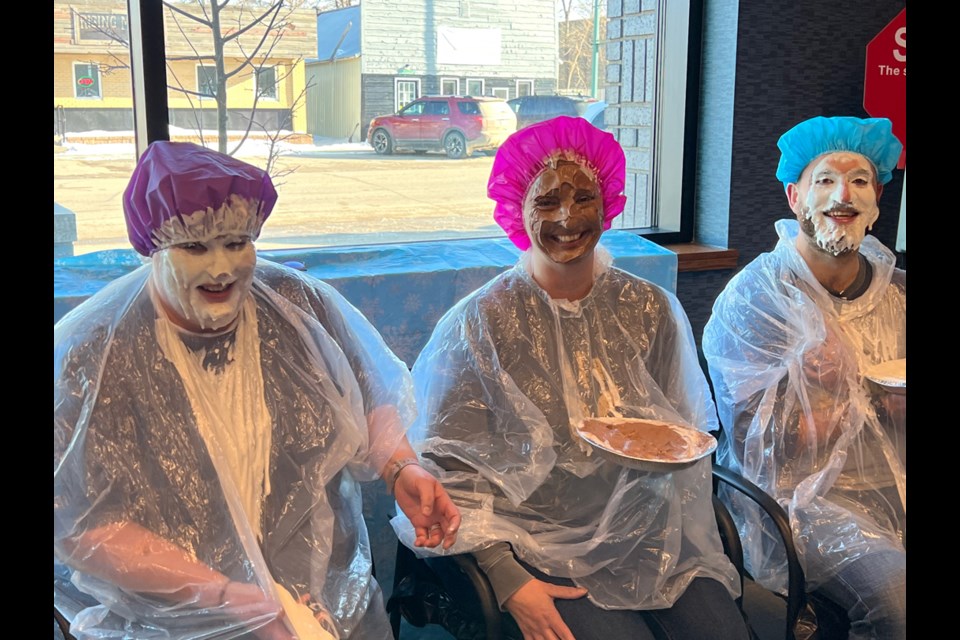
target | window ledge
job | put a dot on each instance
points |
(692, 256)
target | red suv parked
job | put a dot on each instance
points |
(457, 125)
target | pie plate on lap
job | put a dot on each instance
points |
(647, 445)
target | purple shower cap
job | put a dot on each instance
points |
(182, 192)
(530, 150)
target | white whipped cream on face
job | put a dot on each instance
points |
(830, 236)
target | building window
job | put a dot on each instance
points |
(474, 87)
(406, 91)
(449, 86)
(86, 80)
(266, 83)
(524, 88)
(206, 81)
(501, 92)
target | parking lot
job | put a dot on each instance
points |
(328, 198)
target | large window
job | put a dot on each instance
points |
(293, 95)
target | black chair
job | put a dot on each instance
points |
(61, 627)
(433, 591)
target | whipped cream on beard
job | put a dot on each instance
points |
(202, 285)
(834, 239)
(841, 203)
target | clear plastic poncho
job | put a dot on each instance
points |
(787, 361)
(135, 404)
(506, 373)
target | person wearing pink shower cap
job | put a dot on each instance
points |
(574, 546)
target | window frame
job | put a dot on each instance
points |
(396, 92)
(256, 85)
(685, 22)
(456, 91)
(206, 69)
(505, 90)
(517, 88)
(678, 83)
(99, 80)
(483, 87)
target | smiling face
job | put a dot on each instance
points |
(203, 284)
(835, 201)
(563, 212)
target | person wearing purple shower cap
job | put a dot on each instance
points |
(573, 545)
(213, 419)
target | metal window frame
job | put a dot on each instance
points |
(148, 72)
(681, 52)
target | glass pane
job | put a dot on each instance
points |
(207, 81)
(319, 94)
(450, 87)
(407, 92)
(267, 83)
(93, 150)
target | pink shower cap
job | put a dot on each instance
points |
(180, 191)
(530, 150)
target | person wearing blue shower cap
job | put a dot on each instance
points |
(790, 344)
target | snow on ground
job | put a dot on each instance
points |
(253, 147)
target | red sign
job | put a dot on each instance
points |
(85, 81)
(885, 80)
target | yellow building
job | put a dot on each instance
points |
(263, 65)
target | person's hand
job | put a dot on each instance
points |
(249, 602)
(533, 609)
(425, 502)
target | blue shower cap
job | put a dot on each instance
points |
(870, 137)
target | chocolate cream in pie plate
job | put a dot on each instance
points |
(648, 445)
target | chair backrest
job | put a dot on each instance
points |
(424, 592)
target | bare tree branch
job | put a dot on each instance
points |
(275, 9)
(240, 21)
(188, 15)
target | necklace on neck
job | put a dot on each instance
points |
(856, 287)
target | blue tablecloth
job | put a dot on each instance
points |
(403, 289)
